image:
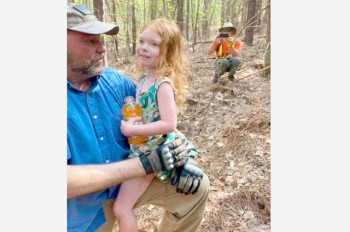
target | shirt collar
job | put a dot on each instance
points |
(93, 81)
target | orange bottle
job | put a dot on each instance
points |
(130, 110)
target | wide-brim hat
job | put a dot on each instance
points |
(81, 19)
(228, 25)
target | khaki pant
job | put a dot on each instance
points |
(183, 213)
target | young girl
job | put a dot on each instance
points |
(160, 54)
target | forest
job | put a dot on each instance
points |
(228, 122)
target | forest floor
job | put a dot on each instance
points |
(229, 123)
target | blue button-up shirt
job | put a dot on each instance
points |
(94, 137)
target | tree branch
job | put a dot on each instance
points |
(249, 21)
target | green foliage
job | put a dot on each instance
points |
(198, 16)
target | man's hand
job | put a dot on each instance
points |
(189, 177)
(164, 157)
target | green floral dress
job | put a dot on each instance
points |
(150, 113)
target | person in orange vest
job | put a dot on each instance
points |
(227, 49)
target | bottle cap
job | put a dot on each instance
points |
(129, 98)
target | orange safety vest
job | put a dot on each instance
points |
(231, 40)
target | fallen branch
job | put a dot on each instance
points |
(250, 74)
(199, 42)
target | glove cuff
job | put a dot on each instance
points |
(146, 164)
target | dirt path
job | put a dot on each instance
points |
(229, 123)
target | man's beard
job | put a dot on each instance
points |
(84, 67)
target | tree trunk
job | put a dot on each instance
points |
(133, 24)
(249, 32)
(98, 9)
(165, 9)
(212, 14)
(144, 12)
(232, 13)
(205, 25)
(228, 10)
(187, 18)
(196, 26)
(100, 14)
(180, 15)
(115, 21)
(223, 12)
(267, 62)
(153, 9)
(244, 11)
(127, 35)
(258, 22)
(192, 17)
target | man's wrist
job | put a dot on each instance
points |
(146, 164)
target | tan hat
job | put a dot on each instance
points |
(229, 26)
(80, 18)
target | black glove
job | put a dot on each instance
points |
(189, 177)
(163, 157)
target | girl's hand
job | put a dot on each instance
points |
(128, 128)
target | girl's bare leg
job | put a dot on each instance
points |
(129, 193)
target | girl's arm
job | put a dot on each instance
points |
(167, 109)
